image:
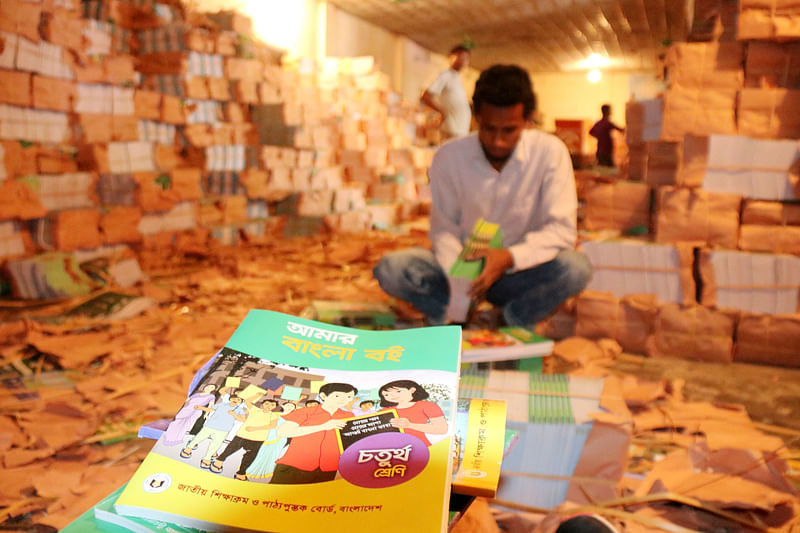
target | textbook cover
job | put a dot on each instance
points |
(481, 345)
(468, 266)
(302, 426)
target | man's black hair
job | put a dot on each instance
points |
(459, 48)
(337, 387)
(605, 109)
(504, 86)
(418, 394)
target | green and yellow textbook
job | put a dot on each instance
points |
(302, 426)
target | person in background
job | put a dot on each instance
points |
(602, 132)
(518, 178)
(446, 95)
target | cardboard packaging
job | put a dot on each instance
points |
(120, 225)
(15, 88)
(771, 239)
(706, 65)
(629, 320)
(67, 239)
(777, 21)
(772, 65)
(618, 206)
(627, 266)
(752, 282)
(769, 113)
(693, 332)
(698, 111)
(697, 216)
(19, 200)
(663, 163)
(768, 339)
(21, 18)
(147, 104)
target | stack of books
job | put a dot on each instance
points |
(299, 425)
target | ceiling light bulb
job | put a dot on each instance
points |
(594, 75)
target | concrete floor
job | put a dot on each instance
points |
(770, 394)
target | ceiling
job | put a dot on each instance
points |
(540, 35)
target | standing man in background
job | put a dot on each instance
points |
(446, 95)
(510, 175)
(602, 132)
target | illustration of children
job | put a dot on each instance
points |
(189, 413)
(271, 450)
(221, 418)
(365, 407)
(250, 436)
(416, 415)
(313, 453)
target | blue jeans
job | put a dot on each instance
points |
(526, 296)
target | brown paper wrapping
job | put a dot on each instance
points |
(236, 113)
(713, 20)
(219, 89)
(94, 157)
(125, 128)
(76, 229)
(629, 320)
(246, 91)
(698, 111)
(769, 23)
(225, 44)
(697, 216)
(234, 209)
(18, 160)
(17, 200)
(172, 110)
(663, 162)
(152, 194)
(255, 182)
(706, 65)
(147, 104)
(163, 63)
(637, 162)
(52, 93)
(769, 113)
(195, 87)
(63, 28)
(55, 161)
(773, 239)
(200, 135)
(119, 69)
(772, 65)
(770, 213)
(243, 69)
(693, 332)
(120, 224)
(618, 206)
(634, 123)
(694, 161)
(95, 128)
(604, 456)
(186, 183)
(768, 339)
(15, 88)
(20, 17)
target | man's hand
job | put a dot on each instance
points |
(496, 262)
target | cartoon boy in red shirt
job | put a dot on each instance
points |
(313, 453)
